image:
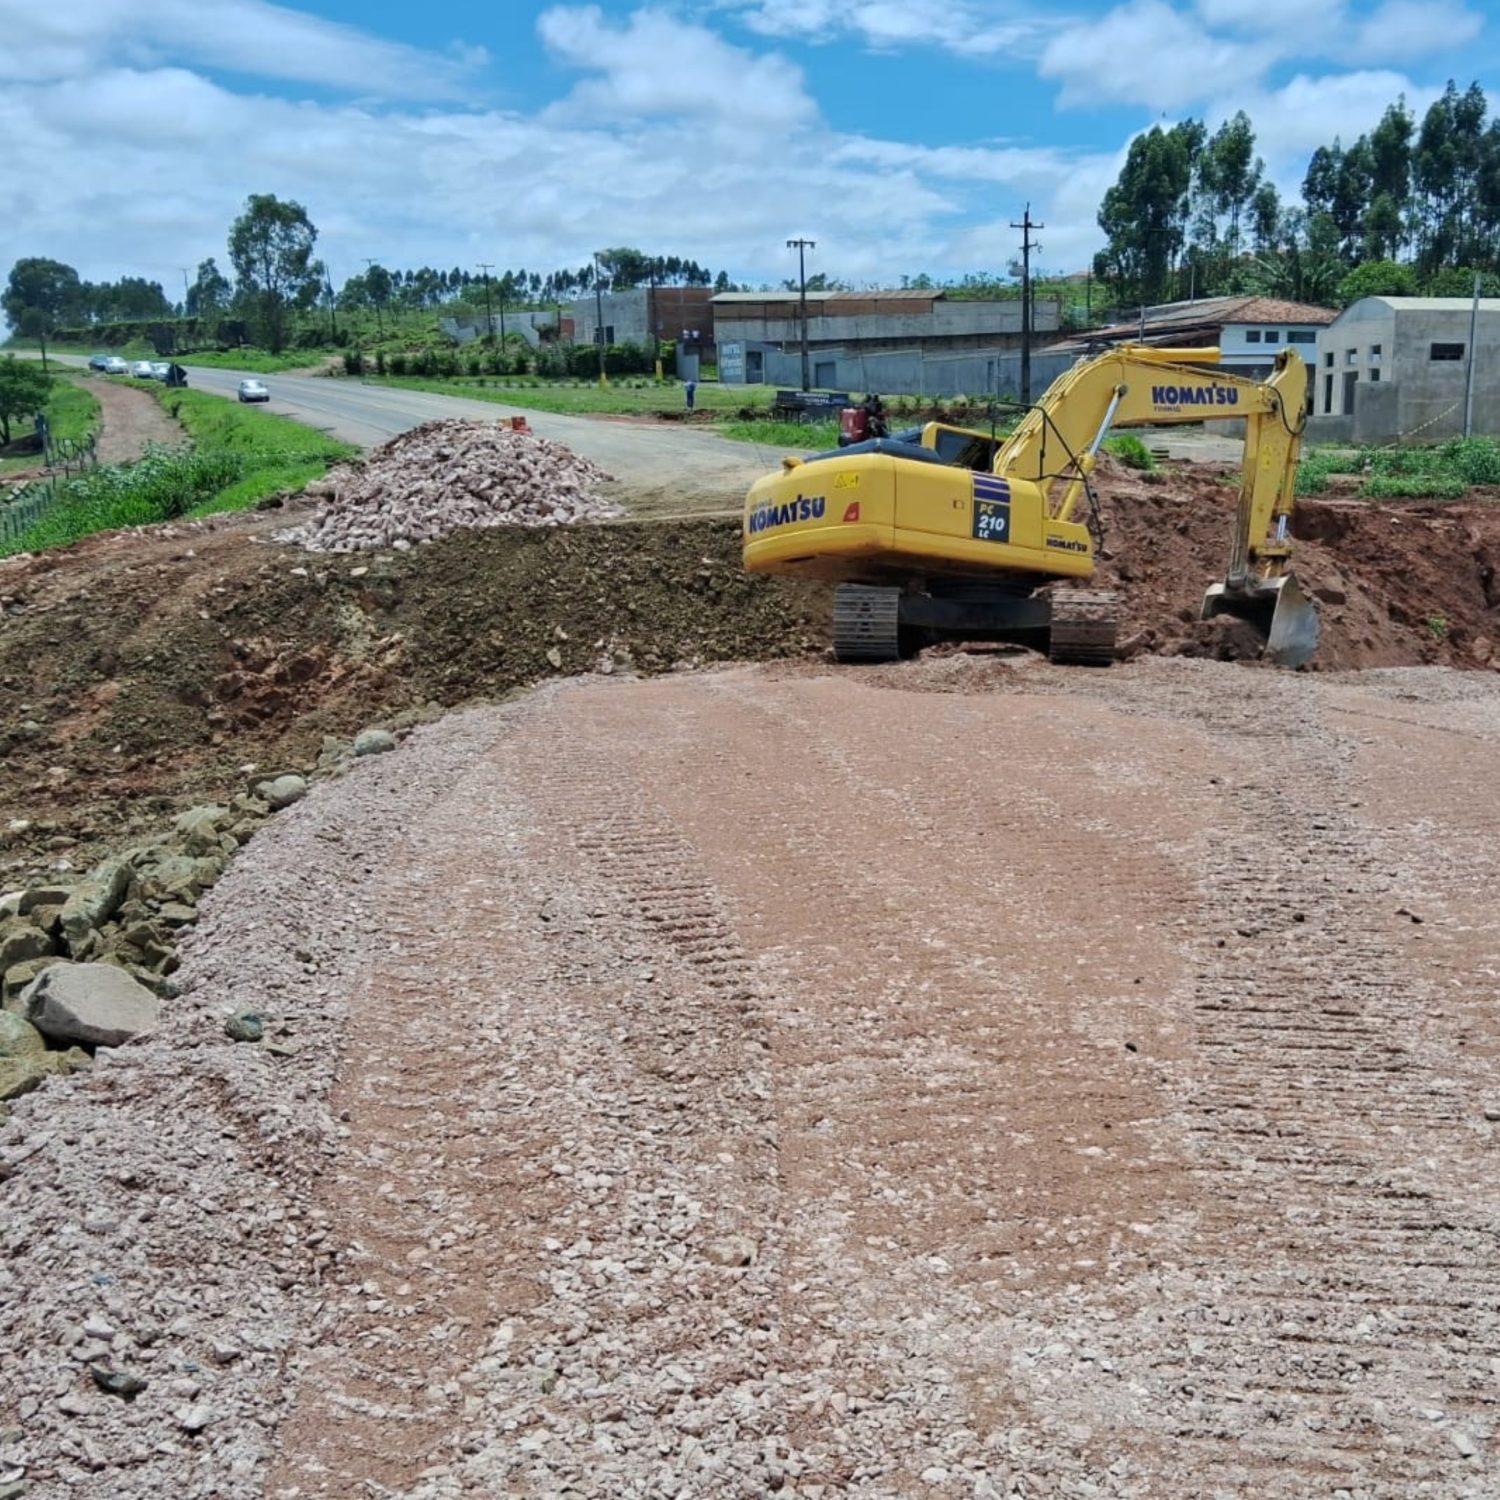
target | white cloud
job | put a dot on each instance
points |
(73, 38)
(970, 28)
(1145, 52)
(654, 64)
(1168, 58)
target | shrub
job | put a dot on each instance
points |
(1131, 451)
(1412, 487)
(380, 362)
(354, 363)
(1474, 460)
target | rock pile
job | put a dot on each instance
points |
(88, 960)
(449, 476)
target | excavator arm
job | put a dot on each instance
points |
(1057, 443)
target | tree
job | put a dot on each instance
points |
(270, 247)
(1144, 215)
(45, 286)
(1229, 172)
(209, 293)
(1377, 278)
(23, 391)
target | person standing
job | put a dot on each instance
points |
(690, 390)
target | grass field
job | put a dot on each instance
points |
(256, 361)
(620, 398)
(73, 413)
(1441, 473)
(235, 458)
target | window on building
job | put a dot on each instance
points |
(1252, 335)
(1374, 375)
(1351, 356)
(1328, 391)
(1273, 335)
(1374, 354)
(1328, 359)
(1301, 336)
(1447, 351)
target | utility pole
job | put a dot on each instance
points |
(379, 321)
(185, 291)
(599, 318)
(802, 247)
(1469, 373)
(489, 323)
(333, 303)
(1026, 225)
(651, 315)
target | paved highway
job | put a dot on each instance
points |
(661, 464)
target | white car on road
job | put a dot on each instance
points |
(114, 365)
(253, 390)
(141, 370)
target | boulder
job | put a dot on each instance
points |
(177, 877)
(96, 1003)
(42, 895)
(20, 940)
(19, 1038)
(18, 976)
(95, 901)
(281, 792)
(19, 1075)
(374, 742)
(199, 829)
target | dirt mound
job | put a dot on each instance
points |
(140, 671)
(1395, 584)
(448, 476)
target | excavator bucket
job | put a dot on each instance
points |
(1278, 608)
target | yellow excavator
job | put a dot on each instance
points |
(943, 532)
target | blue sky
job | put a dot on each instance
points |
(902, 135)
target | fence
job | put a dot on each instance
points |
(24, 506)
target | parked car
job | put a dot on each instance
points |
(114, 365)
(141, 369)
(160, 369)
(99, 362)
(253, 390)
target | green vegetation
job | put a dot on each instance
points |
(1441, 473)
(1131, 451)
(802, 436)
(236, 458)
(619, 397)
(1438, 625)
(72, 412)
(24, 388)
(1411, 207)
(254, 361)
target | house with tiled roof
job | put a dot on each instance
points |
(1248, 331)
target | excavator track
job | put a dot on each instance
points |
(1084, 623)
(866, 623)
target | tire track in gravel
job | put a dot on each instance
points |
(1340, 1332)
(561, 1171)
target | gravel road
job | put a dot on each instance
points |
(965, 1079)
(663, 466)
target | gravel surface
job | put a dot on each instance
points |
(450, 476)
(962, 1079)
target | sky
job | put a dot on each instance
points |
(903, 136)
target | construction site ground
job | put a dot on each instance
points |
(967, 1077)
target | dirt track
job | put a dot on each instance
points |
(1091, 1071)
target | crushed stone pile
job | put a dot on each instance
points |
(448, 476)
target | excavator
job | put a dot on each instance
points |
(943, 532)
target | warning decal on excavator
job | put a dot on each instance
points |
(991, 521)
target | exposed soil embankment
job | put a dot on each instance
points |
(139, 672)
(1395, 584)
